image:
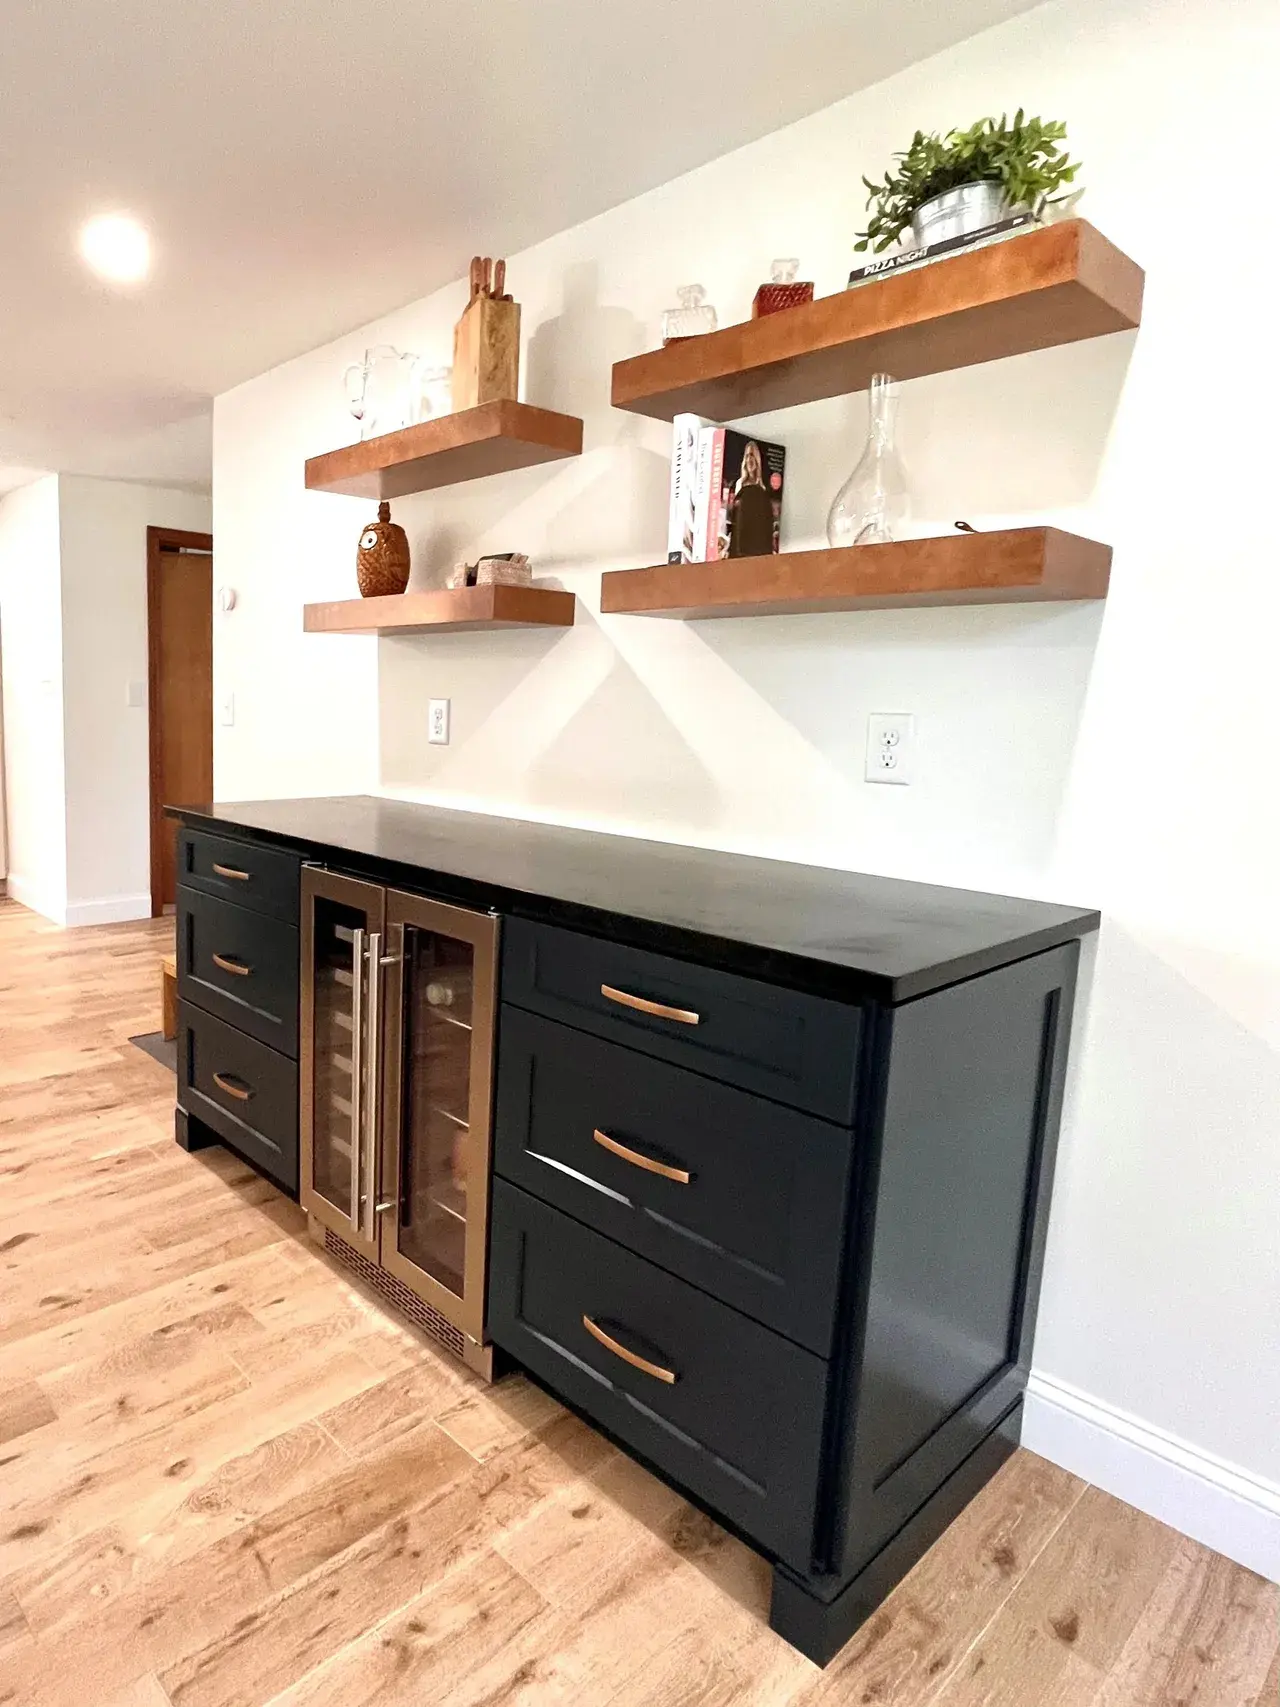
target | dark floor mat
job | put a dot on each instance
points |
(160, 1048)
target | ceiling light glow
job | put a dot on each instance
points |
(116, 247)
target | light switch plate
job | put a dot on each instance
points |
(135, 695)
(438, 722)
(227, 709)
(891, 740)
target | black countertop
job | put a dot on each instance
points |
(833, 932)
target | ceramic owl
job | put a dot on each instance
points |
(382, 560)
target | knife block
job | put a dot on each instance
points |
(486, 352)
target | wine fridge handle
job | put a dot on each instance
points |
(373, 1109)
(357, 1070)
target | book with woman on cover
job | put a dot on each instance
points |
(726, 493)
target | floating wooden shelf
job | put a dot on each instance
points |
(444, 612)
(1054, 285)
(491, 439)
(954, 569)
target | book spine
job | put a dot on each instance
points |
(715, 494)
(702, 493)
(933, 251)
(684, 438)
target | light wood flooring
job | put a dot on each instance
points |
(226, 1479)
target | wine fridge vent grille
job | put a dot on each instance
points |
(398, 1295)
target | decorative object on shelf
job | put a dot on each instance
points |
(379, 390)
(382, 560)
(497, 569)
(949, 186)
(433, 391)
(871, 506)
(784, 290)
(486, 340)
(694, 317)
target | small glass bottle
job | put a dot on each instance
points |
(783, 291)
(872, 505)
(694, 316)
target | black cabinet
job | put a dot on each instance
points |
(818, 1328)
(742, 1197)
(238, 996)
(240, 965)
(772, 1150)
(732, 1411)
(240, 1089)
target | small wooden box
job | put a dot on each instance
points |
(486, 353)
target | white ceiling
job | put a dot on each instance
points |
(306, 165)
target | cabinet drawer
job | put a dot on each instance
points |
(740, 1425)
(241, 966)
(797, 1049)
(742, 1197)
(247, 1093)
(266, 880)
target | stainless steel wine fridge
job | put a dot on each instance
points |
(398, 1012)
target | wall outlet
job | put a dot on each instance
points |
(891, 740)
(438, 722)
(227, 709)
(135, 695)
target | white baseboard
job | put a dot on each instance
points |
(108, 910)
(1206, 1498)
(32, 896)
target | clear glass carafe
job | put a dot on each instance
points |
(872, 505)
(692, 318)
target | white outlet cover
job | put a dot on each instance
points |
(891, 741)
(227, 710)
(438, 722)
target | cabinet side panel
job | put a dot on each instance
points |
(969, 1134)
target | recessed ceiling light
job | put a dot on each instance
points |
(116, 247)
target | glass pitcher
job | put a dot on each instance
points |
(380, 390)
(872, 505)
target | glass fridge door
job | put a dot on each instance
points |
(342, 924)
(439, 1068)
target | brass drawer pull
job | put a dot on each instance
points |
(659, 1010)
(680, 1175)
(240, 1092)
(230, 871)
(236, 966)
(631, 1357)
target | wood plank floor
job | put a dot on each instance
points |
(226, 1479)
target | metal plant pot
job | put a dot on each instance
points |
(957, 212)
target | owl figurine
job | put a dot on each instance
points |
(382, 561)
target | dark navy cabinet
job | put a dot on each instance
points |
(772, 1152)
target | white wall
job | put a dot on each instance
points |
(73, 609)
(1119, 755)
(31, 640)
(104, 617)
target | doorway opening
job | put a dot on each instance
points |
(179, 690)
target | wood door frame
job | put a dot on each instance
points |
(160, 543)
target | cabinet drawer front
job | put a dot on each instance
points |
(742, 1197)
(246, 1092)
(241, 966)
(795, 1048)
(740, 1422)
(266, 880)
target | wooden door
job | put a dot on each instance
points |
(180, 667)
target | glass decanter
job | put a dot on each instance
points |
(872, 505)
(694, 316)
(784, 290)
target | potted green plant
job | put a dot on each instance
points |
(947, 186)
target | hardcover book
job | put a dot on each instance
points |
(738, 506)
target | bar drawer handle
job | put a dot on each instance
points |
(659, 1010)
(236, 966)
(680, 1175)
(631, 1357)
(230, 871)
(240, 1092)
